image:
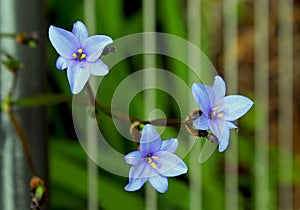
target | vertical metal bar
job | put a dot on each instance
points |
(8, 138)
(261, 68)
(231, 74)
(92, 168)
(194, 36)
(149, 43)
(285, 102)
(14, 170)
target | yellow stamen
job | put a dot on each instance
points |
(216, 108)
(74, 55)
(150, 161)
(220, 115)
(79, 50)
(83, 56)
(153, 165)
(154, 157)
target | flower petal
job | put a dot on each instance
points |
(78, 75)
(142, 170)
(201, 123)
(64, 42)
(94, 45)
(217, 126)
(219, 88)
(62, 63)
(98, 68)
(133, 158)
(159, 183)
(236, 106)
(221, 130)
(231, 125)
(169, 145)
(80, 31)
(135, 184)
(204, 96)
(150, 141)
(224, 140)
(169, 165)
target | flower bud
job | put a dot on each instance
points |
(12, 64)
(30, 40)
(38, 193)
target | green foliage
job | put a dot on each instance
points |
(43, 100)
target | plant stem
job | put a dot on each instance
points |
(172, 122)
(91, 94)
(19, 130)
(24, 140)
(10, 35)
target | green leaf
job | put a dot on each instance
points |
(68, 178)
(39, 192)
(43, 100)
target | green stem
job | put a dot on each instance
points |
(10, 35)
(13, 85)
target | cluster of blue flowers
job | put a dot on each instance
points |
(154, 161)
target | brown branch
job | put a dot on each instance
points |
(24, 140)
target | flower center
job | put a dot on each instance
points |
(151, 160)
(79, 55)
(214, 114)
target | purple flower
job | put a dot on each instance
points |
(219, 111)
(79, 54)
(154, 161)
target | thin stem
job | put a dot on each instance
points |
(10, 35)
(19, 130)
(170, 122)
(24, 140)
(90, 93)
(173, 122)
(13, 85)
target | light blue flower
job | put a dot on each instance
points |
(219, 111)
(79, 54)
(154, 161)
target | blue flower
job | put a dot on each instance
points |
(79, 54)
(154, 161)
(219, 111)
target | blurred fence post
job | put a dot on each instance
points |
(22, 16)
(195, 169)
(230, 16)
(92, 134)
(149, 43)
(285, 103)
(263, 196)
